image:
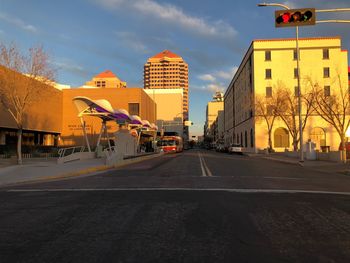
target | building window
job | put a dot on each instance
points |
(281, 138)
(325, 53)
(295, 54)
(268, 92)
(134, 109)
(327, 91)
(103, 84)
(268, 73)
(245, 139)
(98, 83)
(251, 138)
(296, 91)
(296, 73)
(268, 55)
(326, 72)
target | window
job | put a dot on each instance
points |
(103, 84)
(326, 72)
(268, 73)
(245, 139)
(296, 73)
(98, 83)
(251, 138)
(325, 53)
(327, 91)
(134, 108)
(295, 54)
(268, 92)
(268, 55)
(296, 91)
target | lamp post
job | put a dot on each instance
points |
(298, 79)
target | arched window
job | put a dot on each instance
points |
(318, 136)
(281, 138)
(241, 139)
(245, 139)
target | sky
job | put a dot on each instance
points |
(86, 37)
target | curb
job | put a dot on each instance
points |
(283, 161)
(87, 172)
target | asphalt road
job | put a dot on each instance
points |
(198, 206)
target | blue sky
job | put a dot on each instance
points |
(85, 37)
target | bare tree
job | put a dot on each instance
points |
(266, 109)
(334, 108)
(289, 110)
(24, 80)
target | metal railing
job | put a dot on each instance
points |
(63, 152)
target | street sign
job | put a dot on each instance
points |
(295, 17)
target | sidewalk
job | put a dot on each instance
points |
(47, 169)
(316, 165)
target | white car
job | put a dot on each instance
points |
(235, 148)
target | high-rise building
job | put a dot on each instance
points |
(167, 70)
(106, 79)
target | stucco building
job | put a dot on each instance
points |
(269, 64)
(212, 112)
(53, 120)
(169, 109)
(106, 79)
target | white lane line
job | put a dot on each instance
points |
(202, 166)
(206, 168)
(234, 190)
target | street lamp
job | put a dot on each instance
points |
(298, 78)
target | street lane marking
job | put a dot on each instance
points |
(276, 191)
(204, 167)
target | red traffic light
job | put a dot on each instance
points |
(295, 17)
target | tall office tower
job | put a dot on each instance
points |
(167, 70)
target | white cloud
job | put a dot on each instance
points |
(227, 75)
(18, 23)
(207, 77)
(211, 88)
(171, 14)
(131, 40)
(221, 75)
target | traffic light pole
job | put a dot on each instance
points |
(301, 141)
(298, 78)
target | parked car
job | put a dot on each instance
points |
(235, 148)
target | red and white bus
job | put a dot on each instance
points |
(170, 144)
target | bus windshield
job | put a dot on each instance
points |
(166, 143)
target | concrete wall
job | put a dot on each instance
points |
(72, 133)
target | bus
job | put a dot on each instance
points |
(170, 144)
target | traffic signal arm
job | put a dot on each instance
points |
(295, 17)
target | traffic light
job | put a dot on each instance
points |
(295, 17)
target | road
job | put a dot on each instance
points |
(198, 206)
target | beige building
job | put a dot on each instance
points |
(106, 79)
(167, 70)
(212, 111)
(169, 109)
(266, 65)
(53, 119)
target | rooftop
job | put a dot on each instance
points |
(166, 53)
(106, 74)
